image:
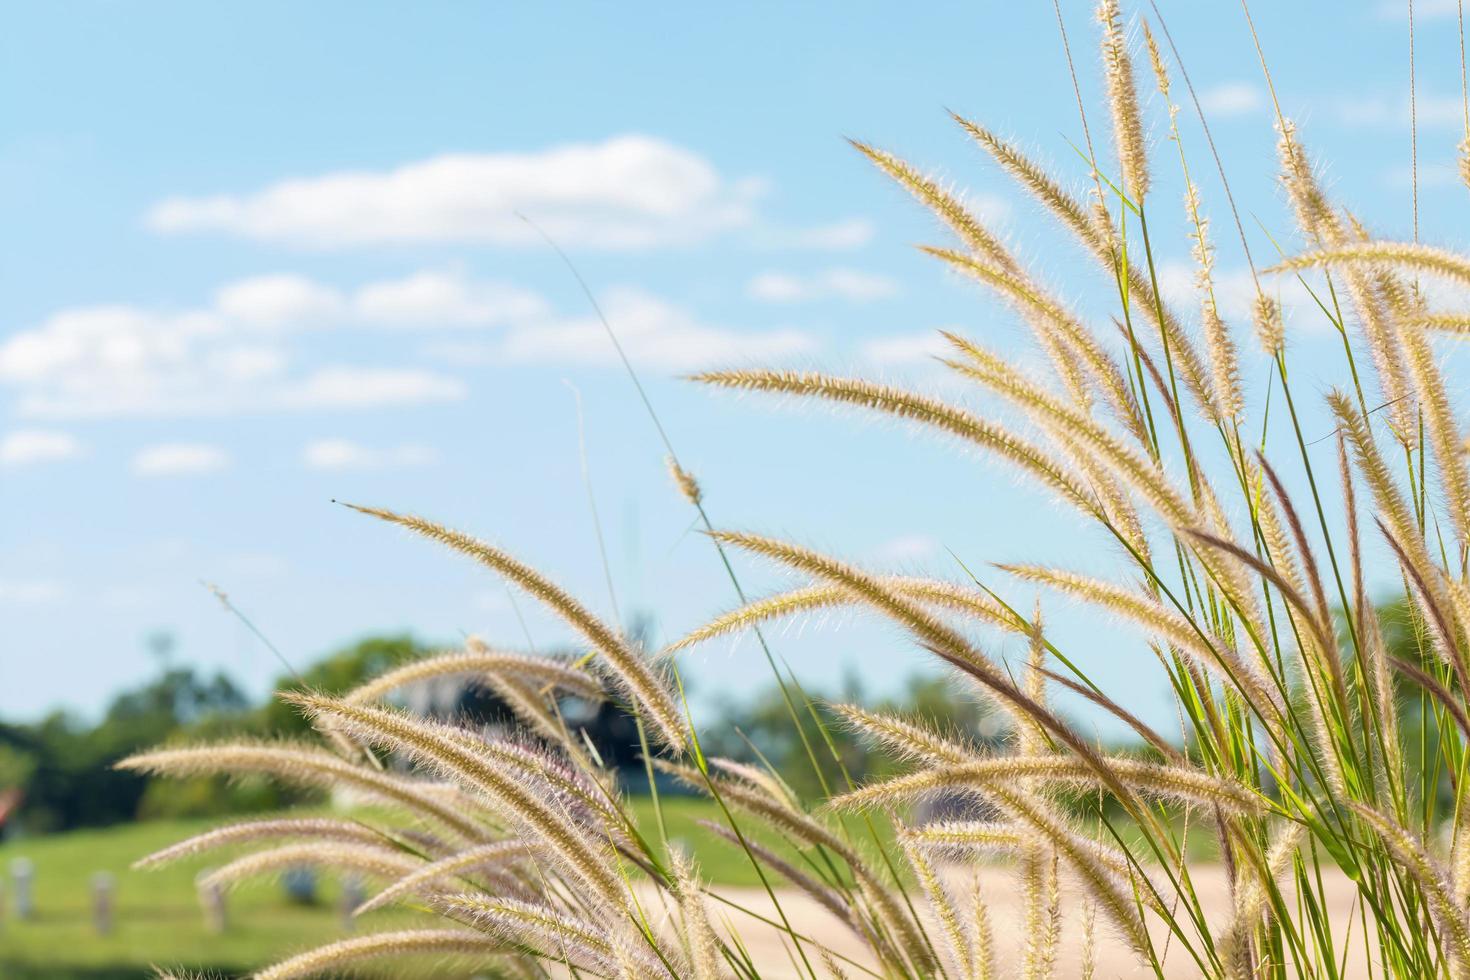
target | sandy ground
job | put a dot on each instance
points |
(771, 949)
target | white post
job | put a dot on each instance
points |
(212, 901)
(353, 895)
(102, 887)
(23, 873)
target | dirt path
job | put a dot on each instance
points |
(772, 950)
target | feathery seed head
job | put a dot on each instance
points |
(688, 486)
(1169, 781)
(938, 637)
(1200, 247)
(331, 958)
(251, 831)
(1039, 882)
(959, 837)
(982, 965)
(699, 935)
(1183, 636)
(1224, 361)
(1083, 362)
(375, 860)
(917, 408)
(965, 601)
(1411, 256)
(1139, 471)
(1123, 101)
(530, 804)
(1102, 872)
(1045, 188)
(768, 782)
(1101, 219)
(478, 659)
(554, 935)
(307, 766)
(907, 738)
(830, 899)
(1313, 213)
(1251, 899)
(945, 205)
(955, 940)
(1270, 330)
(1408, 849)
(1156, 59)
(645, 686)
(834, 971)
(494, 855)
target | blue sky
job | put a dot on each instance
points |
(255, 257)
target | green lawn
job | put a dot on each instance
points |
(158, 920)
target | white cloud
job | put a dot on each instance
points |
(1430, 174)
(246, 362)
(779, 287)
(1374, 111)
(902, 350)
(117, 337)
(907, 548)
(429, 298)
(848, 233)
(1423, 9)
(361, 387)
(653, 332)
(1235, 294)
(493, 601)
(253, 564)
(27, 446)
(992, 209)
(625, 192)
(1231, 99)
(111, 361)
(445, 299)
(850, 284)
(233, 354)
(278, 300)
(342, 454)
(108, 359)
(628, 191)
(1444, 294)
(180, 459)
(1235, 289)
(125, 598)
(18, 592)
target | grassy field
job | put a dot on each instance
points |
(158, 920)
